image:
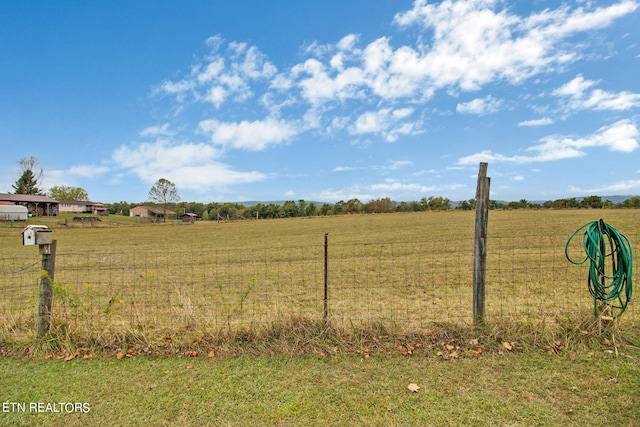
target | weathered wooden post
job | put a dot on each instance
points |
(48, 252)
(326, 279)
(41, 235)
(480, 244)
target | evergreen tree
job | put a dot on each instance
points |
(27, 184)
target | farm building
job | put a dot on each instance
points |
(152, 212)
(189, 217)
(11, 212)
(82, 206)
(36, 205)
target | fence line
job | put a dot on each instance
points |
(406, 286)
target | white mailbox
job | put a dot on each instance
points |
(36, 235)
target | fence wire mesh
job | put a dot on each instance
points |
(407, 287)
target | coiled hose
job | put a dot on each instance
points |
(615, 289)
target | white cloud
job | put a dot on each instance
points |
(344, 169)
(385, 122)
(188, 165)
(222, 75)
(399, 164)
(579, 96)
(480, 106)
(71, 175)
(475, 43)
(537, 122)
(622, 136)
(254, 136)
(618, 186)
(155, 131)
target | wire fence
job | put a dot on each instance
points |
(405, 286)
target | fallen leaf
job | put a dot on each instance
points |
(474, 353)
(119, 355)
(446, 391)
(613, 380)
(507, 345)
(168, 340)
(572, 357)
(449, 347)
(71, 357)
(211, 354)
(454, 355)
(189, 366)
(413, 387)
(473, 342)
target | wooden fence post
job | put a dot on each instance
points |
(480, 244)
(48, 252)
(326, 279)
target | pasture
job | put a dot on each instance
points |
(120, 283)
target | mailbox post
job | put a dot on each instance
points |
(41, 235)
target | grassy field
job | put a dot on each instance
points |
(221, 324)
(120, 280)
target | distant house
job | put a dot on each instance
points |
(189, 217)
(36, 205)
(152, 212)
(82, 206)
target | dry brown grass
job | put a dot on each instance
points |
(259, 281)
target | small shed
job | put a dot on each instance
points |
(189, 217)
(13, 213)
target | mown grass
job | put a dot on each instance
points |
(122, 283)
(493, 389)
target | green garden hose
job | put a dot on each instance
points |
(615, 288)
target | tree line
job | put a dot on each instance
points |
(302, 208)
(164, 193)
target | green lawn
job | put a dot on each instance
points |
(532, 388)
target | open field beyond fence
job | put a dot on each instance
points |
(408, 273)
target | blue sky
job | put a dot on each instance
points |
(288, 100)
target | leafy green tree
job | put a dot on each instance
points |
(633, 202)
(384, 205)
(439, 204)
(467, 205)
(119, 208)
(289, 209)
(164, 192)
(64, 192)
(353, 206)
(325, 209)
(593, 202)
